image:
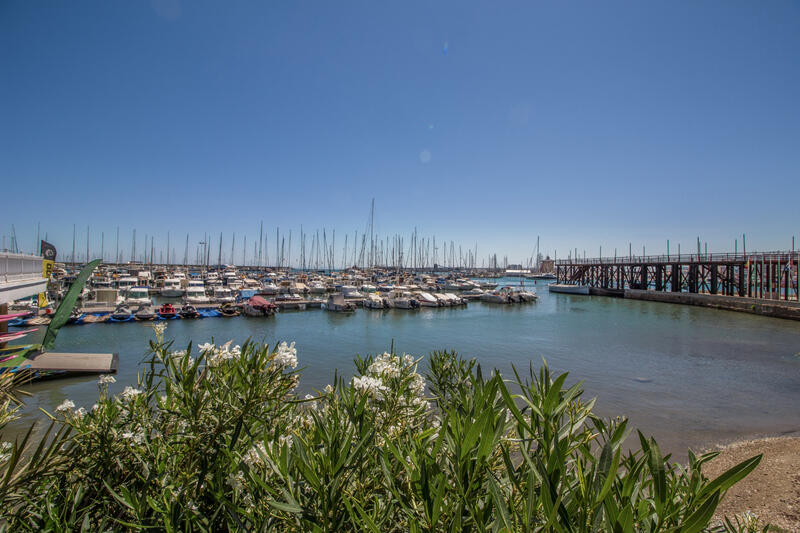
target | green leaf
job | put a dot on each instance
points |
(700, 518)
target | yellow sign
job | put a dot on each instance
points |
(47, 271)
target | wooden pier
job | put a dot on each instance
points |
(754, 278)
(771, 276)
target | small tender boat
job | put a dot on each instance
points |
(122, 314)
(189, 311)
(74, 316)
(336, 302)
(168, 311)
(229, 309)
(145, 312)
(258, 306)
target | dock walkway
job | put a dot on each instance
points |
(76, 363)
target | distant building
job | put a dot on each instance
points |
(21, 276)
(548, 265)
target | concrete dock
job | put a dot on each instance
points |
(76, 363)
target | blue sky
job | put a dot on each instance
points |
(588, 123)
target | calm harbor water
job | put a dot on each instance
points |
(689, 376)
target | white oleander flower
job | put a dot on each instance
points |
(328, 389)
(66, 405)
(129, 393)
(159, 328)
(369, 385)
(105, 379)
(254, 456)
(286, 356)
(236, 481)
(386, 365)
(137, 437)
(5, 451)
(80, 412)
(205, 347)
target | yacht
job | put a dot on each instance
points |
(138, 296)
(223, 295)
(400, 299)
(124, 284)
(317, 287)
(172, 288)
(336, 302)
(269, 289)
(196, 295)
(373, 301)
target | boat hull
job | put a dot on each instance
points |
(568, 289)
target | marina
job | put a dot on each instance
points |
(668, 367)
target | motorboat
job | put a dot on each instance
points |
(427, 300)
(167, 311)
(526, 296)
(258, 306)
(172, 288)
(399, 299)
(138, 296)
(223, 295)
(442, 299)
(229, 309)
(145, 312)
(368, 287)
(74, 316)
(350, 292)
(189, 311)
(126, 283)
(122, 314)
(196, 295)
(289, 298)
(567, 288)
(269, 289)
(497, 297)
(454, 299)
(374, 301)
(336, 302)
(317, 287)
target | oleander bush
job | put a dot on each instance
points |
(215, 438)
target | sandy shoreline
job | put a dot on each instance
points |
(772, 490)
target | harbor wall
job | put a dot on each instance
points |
(771, 308)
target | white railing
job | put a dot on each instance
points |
(19, 267)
